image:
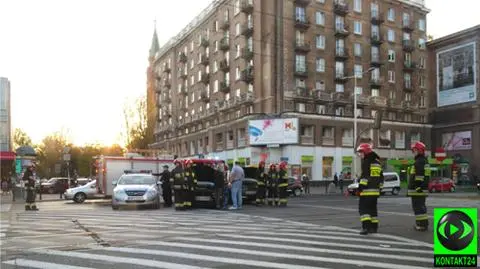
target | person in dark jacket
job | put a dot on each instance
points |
(418, 185)
(177, 178)
(369, 188)
(262, 180)
(272, 185)
(166, 186)
(219, 178)
(29, 179)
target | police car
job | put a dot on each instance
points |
(137, 188)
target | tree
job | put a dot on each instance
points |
(429, 37)
(136, 124)
(20, 138)
(50, 152)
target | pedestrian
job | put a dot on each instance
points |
(166, 186)
(272, 185)
(29, 179)
(306, 183)
(235, 182)
(335, 180)
(226, 188)
(261, 181)
(340, 181)
(218, 175)
(179, 185)
(418, 184)
(191, 179)
(369, 188)
(282, 184)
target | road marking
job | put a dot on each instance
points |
(43, 265)
(118, 259)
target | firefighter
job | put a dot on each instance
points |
(282, 184)
(166, 186)
(417, 185)
(369, 188)
(261, 181)
(191, 181)
(29, 179)
(178, 181)
(272, 185)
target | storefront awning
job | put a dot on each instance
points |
(7, 155)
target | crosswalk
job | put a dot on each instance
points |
(101, 238)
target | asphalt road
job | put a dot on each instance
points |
(319, 231)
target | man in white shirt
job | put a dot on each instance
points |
(235, 183)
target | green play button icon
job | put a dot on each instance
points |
(453, 229)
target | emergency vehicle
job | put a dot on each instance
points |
(110, 168)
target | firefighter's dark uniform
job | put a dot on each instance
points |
(272, 185)
(179, 187)
(30, 187)
(369, 188)
(261, 188)
(417, 189)
(191, 179)
(282, 188)
(166, 188)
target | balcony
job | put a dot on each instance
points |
(341, 30)
(204, 96)
(247, 75)
(246, 6)
(205, 78)
(407, 86)
(302, 46)
(241, 142)
(340, 8)
(247, 30)
(375, 60)
(302, 23)
(340, 76)
(204, 59)
(182, 57)
(183, 90)
(408, 106)
(376, 39)
(378, 101)
(247, 54)
(376, 82)
(225, 25)
(340, 98)
(409, 66)
(347, 141)
(167, 69)
(328, 141)
(224, 87)
(408, 45)
(392, 104)
(167, 84)
(408, 26)
(224, 44)
(306, 139)
(301, 71)
(377, 18)
(341, 54)
(302, 3)
(224, 66)
(183, 76)
(204, 42)
(362, 99)
(302, 93)
(322, 96)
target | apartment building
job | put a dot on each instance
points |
(7, 155)
(294, 61)
(454, 76)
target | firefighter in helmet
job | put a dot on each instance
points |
(272, 185)
(179, 185)
(282, 184)
(417, 185)
(191, 180)
(261, 181)
(369, 188)
(29, 179)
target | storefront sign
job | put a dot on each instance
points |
(307, 159)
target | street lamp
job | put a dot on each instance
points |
(355, 76)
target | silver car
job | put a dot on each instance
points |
(137, 190)
(81, 193)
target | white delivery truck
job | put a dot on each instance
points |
(110, 168)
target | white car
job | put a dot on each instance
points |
(81, 193)
(391, 184)
(137, 190)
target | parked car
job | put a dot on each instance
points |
(54, 185)
(81, 193)
(391, 184)
(295, 187)
(137, 190)
(441, 184)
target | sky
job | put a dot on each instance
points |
(74, 64)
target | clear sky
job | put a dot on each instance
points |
(73, 64)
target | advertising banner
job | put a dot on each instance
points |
(456, 82)
(273, 131)
(457, 140)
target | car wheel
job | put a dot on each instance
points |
(395, 191)
(79, 198)
(452, 189)
(297, 192)
(115, 207)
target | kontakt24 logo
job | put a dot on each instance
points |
(455, 237)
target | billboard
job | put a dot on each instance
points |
(456, 82)
(457, 140)
(273, 131)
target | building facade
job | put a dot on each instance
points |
(7, 156)
(242, 60)
(454, 74)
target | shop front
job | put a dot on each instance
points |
(307, 163)
(7, 160)
(347, 162)
(327, 167)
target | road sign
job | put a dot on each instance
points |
(18, 166)
(440, 154)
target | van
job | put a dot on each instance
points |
(391, 184)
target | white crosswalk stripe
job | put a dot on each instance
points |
(197, 239)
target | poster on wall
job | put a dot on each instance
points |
(456, 82)
(273, 131)
(457, 140)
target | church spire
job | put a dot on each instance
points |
(155, 47)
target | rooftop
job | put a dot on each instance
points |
(454, 36)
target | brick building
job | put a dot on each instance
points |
(455, 98)
(242, 60)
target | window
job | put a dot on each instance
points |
(392, 116)
(375, 31)
(340, 45)
(406, 19)
(422, 64)
(391, 35)
(421, 43)
(215, 26)
(250, 43)
(192, 80)
(392, 95)
(406, 36)
(301, 107)
(375, 92)
(192, 63)
(215, 45)
(300, 83)
(373, 113)
(320, 42)
(191, 45)
(391, 56)
(339, 67)
(358, 69)
(339, 23)
(215, 86)
(227, 78)
(375, 53)
(321, 1)
(320, 86)
(357, 5)
(320, 18)
(327, 131)
(339, 88)
(321, 109)
(237, 73)
(300, 14)
(375, 74)
(359, 90)
(250, 88)
(320, 65)
(237, 29)
(421, 25)
(391, 76)
(199, 75)
(357, 27)
(340, 111)
(408, 80)
(415, 137)
(384, 138)
(299, 38)
(422, 101)
(237, 51)
(306, 130)
(357, 49)
(422, 82)
(374, 9)
(236, 8)
(359, 113)
(399, 139)
(408, 117)
(215, 66)
(300, 63)
(408, 97)
(407, 58)
(391, 14)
